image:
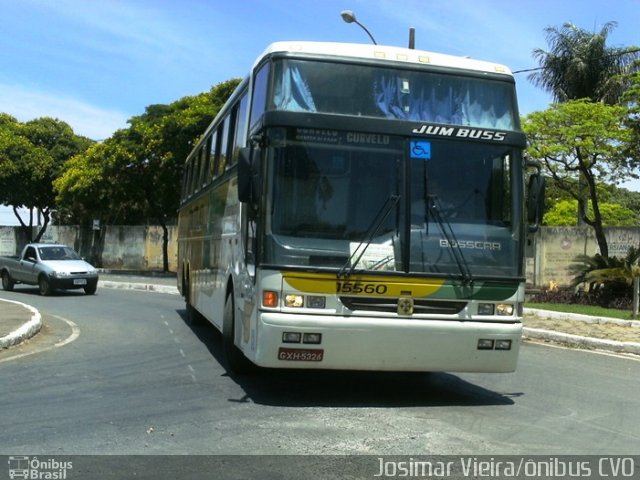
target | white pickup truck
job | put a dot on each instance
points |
(51, 267)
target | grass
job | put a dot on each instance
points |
(591, 310)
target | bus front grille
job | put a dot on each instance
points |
(390, 305)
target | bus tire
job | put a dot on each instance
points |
(235, 360)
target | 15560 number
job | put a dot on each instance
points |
(361, 287)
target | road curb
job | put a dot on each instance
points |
(589, 343)
(26, 330)
(147, 287)
(579, 341)
(581, 318)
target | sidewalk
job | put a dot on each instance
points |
(19, 321)
(153, 282)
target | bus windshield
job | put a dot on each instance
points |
(404, 94)
(325, 195)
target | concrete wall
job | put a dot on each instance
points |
(140, 247)
(115, 247)
(556, 249)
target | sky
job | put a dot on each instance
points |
(96, 63)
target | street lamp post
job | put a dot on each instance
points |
(350, 17)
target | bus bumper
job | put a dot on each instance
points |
(386, 344)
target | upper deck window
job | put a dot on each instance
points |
(403, 94)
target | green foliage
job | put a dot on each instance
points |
(579, 64)
(609, 279)
(135, 176)
(621, 312)
(608, 282)
(631, 99)
(563, 213)
(581, 145)
(588, 269)
(31, 157)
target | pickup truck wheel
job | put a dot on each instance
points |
(7, 281)
(44, 285)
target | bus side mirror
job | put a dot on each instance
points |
(535, 201)
(248, 175)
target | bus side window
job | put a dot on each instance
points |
(223, 133)
(241, 128)
(259, 99)
(211, 156)
(204, 167)
(189, 177)
(195, 178)
(215, 154)
(185, 176)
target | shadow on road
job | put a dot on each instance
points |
(332, 388)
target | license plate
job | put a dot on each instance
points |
(300, 354)
(79, 281)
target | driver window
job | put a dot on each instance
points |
(31, 254)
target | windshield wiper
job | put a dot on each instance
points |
(348, 268)
(433, 204)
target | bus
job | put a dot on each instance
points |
(361, 207)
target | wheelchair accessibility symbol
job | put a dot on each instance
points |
(420, 149)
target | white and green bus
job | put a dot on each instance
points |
(361, 207)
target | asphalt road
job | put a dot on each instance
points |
(122, 372)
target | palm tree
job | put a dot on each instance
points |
(609, 277)
(579, 64)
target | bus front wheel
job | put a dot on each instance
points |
(234, 358)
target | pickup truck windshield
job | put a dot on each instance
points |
(57, 253)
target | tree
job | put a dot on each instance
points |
(563, 213)
(609, 279)
(31, 157)
(159, 142)
(139, 169)
(89, 188)
(581, 144)
(631, 99)
(579, 64)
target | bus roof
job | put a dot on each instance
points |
(383, 53)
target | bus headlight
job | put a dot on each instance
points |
(316, 301)
(504, 309)
(293, 301)
(485, 309)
